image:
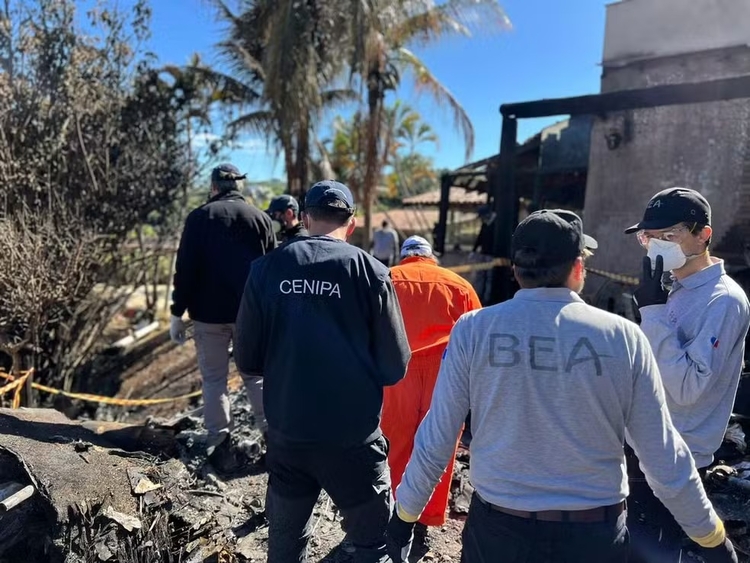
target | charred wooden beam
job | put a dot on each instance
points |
(503, 187)
(656, 96)
(442, 227)
(506, 207)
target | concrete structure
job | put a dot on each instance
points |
(643, 29)
(702, 146)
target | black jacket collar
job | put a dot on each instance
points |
(226, 196)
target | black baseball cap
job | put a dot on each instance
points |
(673, 206)
(226, 172)
(549, 237)
(281, 203)
(330, 193)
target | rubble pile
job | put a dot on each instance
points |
(112, 492)
(148, 493)
(96, 501)
(728, 483)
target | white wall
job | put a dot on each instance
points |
(641, 29)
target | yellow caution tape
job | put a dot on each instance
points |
(10, 387)
(18, 383)
(113, 400)
(15, 386)
(475, 267)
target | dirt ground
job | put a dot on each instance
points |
(238, 498)
(170, 371)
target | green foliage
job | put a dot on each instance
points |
(92, 147)
(287, 59)
(403, 132)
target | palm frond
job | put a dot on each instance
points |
(478, 15)
(174, 71)
(454, 17)
(241, 60)
(259, 122)
(334, 97)
(226, 88)
(225, 13)
(425, 81)
(426, 27)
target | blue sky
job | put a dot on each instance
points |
(553, 50)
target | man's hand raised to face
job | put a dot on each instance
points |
(651, 291)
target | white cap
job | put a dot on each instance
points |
(416, 246)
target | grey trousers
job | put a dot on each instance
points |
(212, 347)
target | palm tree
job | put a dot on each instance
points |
(403, 131)
(281, 77)
(402, 126)
(285, 55)
(345, 152)
(380, 33)
(412, 131)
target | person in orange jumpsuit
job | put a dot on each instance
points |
(432, 298)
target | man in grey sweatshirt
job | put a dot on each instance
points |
(555, 387)
(697, 332)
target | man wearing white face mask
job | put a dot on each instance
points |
(697, 332)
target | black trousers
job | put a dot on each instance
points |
(490, 536)
(357, 480)
(656, 537)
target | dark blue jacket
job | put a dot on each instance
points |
(220, 240)
(320, 321)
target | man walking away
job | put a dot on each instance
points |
(697, 331)
(284, 210)
(220, 240)
(320, 321)
(385, 244)
(555, 387)
(432, 299)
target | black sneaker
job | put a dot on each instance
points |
(223, 457)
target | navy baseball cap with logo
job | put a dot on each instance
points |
(549, 237)
(226, 172)
(281, 203)
(330, 193)
(671, 207)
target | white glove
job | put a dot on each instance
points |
(177, 330)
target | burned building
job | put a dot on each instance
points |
(704, 146)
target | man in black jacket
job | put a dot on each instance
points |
(284, 210)
(220, 240)
(320, 321)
